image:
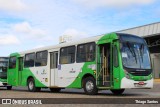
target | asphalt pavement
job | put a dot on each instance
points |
(22, 92)
(72, 94)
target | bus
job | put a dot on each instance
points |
(3, 72)
(113, 61)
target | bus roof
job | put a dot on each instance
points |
(85, 40)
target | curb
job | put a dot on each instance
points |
(157, 80)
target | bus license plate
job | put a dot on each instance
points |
(140, 84)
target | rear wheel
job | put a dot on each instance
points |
(55, 89)
(89, 86)
(31, 86)
(117, 91)
(9, 87)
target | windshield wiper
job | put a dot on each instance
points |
(132, 51)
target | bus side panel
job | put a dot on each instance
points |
(12, 78)
(38, 73)
(87, 68)
(67, 73)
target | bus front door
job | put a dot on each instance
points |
(103, 65)
(53, 69)
(115, 65)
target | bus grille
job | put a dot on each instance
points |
(140, 73)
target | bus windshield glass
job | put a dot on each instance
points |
(3, 64)
(135, 55)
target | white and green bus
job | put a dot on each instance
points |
(112, 61)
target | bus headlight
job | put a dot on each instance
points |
(127, 74)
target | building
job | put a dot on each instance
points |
(151, 33)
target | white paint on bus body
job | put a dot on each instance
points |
(62, 77)
(128, 83)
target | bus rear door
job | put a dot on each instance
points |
(53, 69)
(13, 74)
(20, 69)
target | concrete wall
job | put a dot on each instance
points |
(144, 31)
(155, 59)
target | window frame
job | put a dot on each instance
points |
(42, 58)
(25, 60)
(15, 63)
(115, 53)
(85, 52)
(67, 54)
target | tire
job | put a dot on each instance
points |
(89, 86)
(55, 89)
(118, 91)
(32, 87)
(9, 87)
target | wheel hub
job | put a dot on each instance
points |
(31, 85)
(89, 86)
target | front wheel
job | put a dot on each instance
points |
(89, 86)
(117, 91)
(32, 87)
(9, 87)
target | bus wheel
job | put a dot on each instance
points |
(117, 92)
(89, 86)
(55, 89)
(32, 87)
(9, 87)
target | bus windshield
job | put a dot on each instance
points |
(135, 55)
(3, 66)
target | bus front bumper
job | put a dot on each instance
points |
(3, 84)
(128, 83)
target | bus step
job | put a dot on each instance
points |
(107, 83)
(107, 77)
(104, 88)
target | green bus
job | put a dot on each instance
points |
(113, 61)
(3, 72)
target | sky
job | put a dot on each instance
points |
(29, 24)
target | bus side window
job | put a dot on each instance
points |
(67, 55)
(12, 62)
(90, 52)
(29, 60)
(41, 58)
(86, 52)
